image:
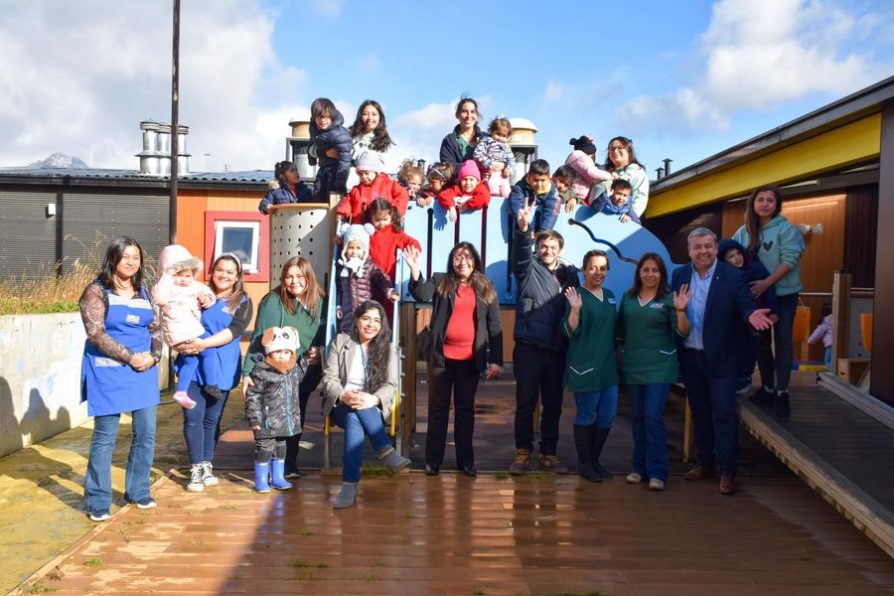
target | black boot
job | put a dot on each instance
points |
(583, 441)
(783, 408)
(599, 437)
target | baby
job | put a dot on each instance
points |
(618, 201)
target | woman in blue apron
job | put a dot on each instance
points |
(119, 374)
(225, 321)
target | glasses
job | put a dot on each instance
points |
(618, 148)
(460, 258)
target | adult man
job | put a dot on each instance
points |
(720, 299)
(539, 356)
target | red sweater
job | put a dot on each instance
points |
(355, 202)
(459, 338)
(480, 197)
(383, 246)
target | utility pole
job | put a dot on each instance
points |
(175, 124)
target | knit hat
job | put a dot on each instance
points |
(370, 161)
(583, 143)
(358, 233)
(280, 338)
(175, 258)
(469, 168)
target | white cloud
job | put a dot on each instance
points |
(329, 8)
(758, 55)
(554, 91)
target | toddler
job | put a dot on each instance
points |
(410, 177)
(563, 178)
(374, 184)
(824, 331)
(358, 277)
(287, 188)
(617, 202)
(494, 157)
(388, 237)
(536, 189)
(181, 297)
(272, 406)
(468, 194)
(582, 160)
(333, 146)
(439, 175)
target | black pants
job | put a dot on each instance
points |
(308, 384)
(459, 377)
(538, 374)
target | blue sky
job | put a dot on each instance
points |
(684, 80)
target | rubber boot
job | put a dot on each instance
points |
(278, 470)
(262, 470)
(599, 437)
(583, 441)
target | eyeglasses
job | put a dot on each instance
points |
(459, 258)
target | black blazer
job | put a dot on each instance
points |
(729, 303)
(488, 325)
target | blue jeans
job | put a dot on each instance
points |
(596, 407)
(98, 479)
(201, 425)
(649, 435)
(827, 358)
(358, 424)
(775, 363)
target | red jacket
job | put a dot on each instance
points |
(355, 202)
(480, 197)
(383, 246)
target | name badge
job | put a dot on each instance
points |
(133, 319)
(611, 301)
(657, 306)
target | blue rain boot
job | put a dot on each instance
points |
(278, 471)
(262, 470)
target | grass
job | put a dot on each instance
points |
(302, 564)
(93, 562)
(37, 588)
(308, 533)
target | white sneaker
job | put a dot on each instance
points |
(196, 479)
(147, 504)
(208, 479)
(634, 478)
(99, 517)
(656, 484)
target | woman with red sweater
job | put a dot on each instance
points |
(389, 236)
(467, 194)
(465, 322)
(374, 184)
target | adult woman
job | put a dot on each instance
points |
(118, 375)
(459, 145)
(590, 370)
(621, 162)
(648, 317)
(369, 133)
(225, 320)
(359, 381)
(465, 322)
(779, 246)
(296, 302)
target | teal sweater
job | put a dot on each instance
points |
(781, 242)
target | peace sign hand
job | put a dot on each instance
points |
(526, 215)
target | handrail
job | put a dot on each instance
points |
(331, 321)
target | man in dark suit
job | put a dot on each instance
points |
(719, 301)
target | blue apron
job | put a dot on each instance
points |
(217, 318)
(110, 386)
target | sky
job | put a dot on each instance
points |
(684, 80)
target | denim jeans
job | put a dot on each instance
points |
(775, 362)
(358, 424)
(98, 479)
(201, 425)
(649, 434)
(596, 407)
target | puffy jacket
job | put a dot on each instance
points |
(548, 205)
(540, 303)
(354, 204)
(588, 174)
(450, 152)
(356, 287)
(780, 242)
(283, 195)
(480, 197)
(272, 401)
(383, 247)
(333, 172)
(754, 270)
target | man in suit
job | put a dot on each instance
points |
(719, 301)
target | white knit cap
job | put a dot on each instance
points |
(370, 161)
(280, 338)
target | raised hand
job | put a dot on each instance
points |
(525, 216)
(681, 298)
(411, 258)
(574, 299)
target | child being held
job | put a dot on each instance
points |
(588, 175)
(374, 184)
(494, 157)
(286, 189)
(333, 146)
(564, 178)
(389, 236)
(617, 202)
(439, 175)
(410, 177)
(467, 194)
(825, 332)
(181, 298)
(272, 406)
(358, 277)
(536, 189)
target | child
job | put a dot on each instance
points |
(374, 184)
(824, 332)
(583, 161)
(286, 189)
(468, 194)
(536, 189)
(333, 145)
(439, 175)
(410, 177)
(181, 298)
(733, 253)
(272, 406)
(563, 178)
(617, 202)
(494, 157)
(389, 236)
(358, 277)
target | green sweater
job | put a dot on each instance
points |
(590, 362)
(650, 351)
(272, 313)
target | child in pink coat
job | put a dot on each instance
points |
(583, 161)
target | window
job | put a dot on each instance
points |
(242, 238)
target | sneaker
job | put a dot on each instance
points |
(208, 478)
(522, 462)
(551, 463)
(147, 504)
(656, 484)
(195, 479)
(183, 399)
(293, 474)
(744, 386)
(783, 407)
(99, 516)
(634, 478)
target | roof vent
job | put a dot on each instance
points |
(155, 158)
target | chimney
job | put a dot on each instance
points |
(667, 166)
(660, 173)
(524, 146)
(297, 146)
(155, 158)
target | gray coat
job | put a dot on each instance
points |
(335, 374)
(272, 401)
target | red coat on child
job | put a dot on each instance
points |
(480, 197)
(351, 207)
(383, 246)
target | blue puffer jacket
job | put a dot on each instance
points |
(548, 205)
(332, 175)
(282, 195)
(450, 152)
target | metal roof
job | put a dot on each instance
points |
(124, 177)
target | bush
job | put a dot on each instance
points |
(46, 294)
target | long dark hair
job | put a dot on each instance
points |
(113, 256)
(459, 105)
(381, 139)
(379, 205)
(628, 143)
(378, 353)
(484, 289)
(638, 283)
(752, 221)
(238, 292)
(312, 295)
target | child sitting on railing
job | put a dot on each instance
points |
(410, 177)
(374, 184)
(469, 193)
(357, 277)
(286, 189)
(536, 189)
(439, 175)
(389, 236)
(494, 157)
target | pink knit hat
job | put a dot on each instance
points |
(469, 168)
